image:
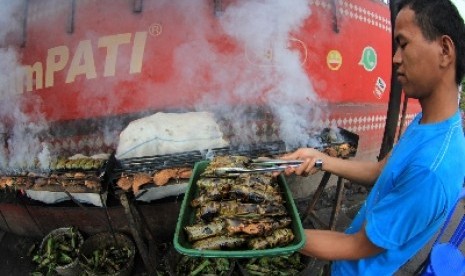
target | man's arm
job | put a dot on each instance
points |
(332, 245)
(357, 171)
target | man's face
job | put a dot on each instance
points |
(417, 59)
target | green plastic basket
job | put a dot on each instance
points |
(187, 215)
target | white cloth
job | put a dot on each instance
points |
(56, 197)
(167, 133)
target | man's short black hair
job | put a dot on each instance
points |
(440, 17)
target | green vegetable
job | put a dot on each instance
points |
(200, 267)
(49, 246)
(64, 247)
(65, 259)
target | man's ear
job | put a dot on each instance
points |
(448, 50)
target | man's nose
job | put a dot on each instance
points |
(397, 59)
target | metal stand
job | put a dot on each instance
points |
(316, 196)
(134, 220)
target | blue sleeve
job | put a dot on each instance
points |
(416, 202)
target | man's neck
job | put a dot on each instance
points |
(439, 106)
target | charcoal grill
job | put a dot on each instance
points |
(129, 168)
(54, 180)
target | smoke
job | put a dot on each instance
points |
(264, 69)
(20, 129)
(253, 69)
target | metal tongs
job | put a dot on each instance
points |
(275, 162)
(263, 164)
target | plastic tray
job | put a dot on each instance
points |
(187, 214)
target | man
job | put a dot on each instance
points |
(418, 183)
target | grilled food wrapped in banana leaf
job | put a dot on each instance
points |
(212, 189)
(84, 163)
(206, 197)
(201, 231)
(220, 242)
(245, 211)
(265, 179)
(254, 194)
(212, 209)
(260, 227)
(218, 183)
(225, 161)
(279, 237)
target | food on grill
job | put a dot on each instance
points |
(79, 175)
(139, 180)
(124, 183)
(238, 213)
(135, 181)
(225, 162)
(162, 177)
(76, 174)
(53, 183)
(80, 162)
(92, 184)
(60, 183)
(340, 150)
(6, 182)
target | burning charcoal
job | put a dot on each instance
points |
(92, 184)
(7, 182)
(79, 175)
(2, 182)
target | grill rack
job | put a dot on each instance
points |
(102, 174)
(189, 158)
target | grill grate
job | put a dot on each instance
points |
(150, 163)
(326, 139)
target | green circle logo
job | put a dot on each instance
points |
(369, 59)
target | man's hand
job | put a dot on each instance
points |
(309, 157)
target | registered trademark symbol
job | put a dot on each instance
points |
(155, 29)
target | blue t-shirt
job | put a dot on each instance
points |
(411, 198)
